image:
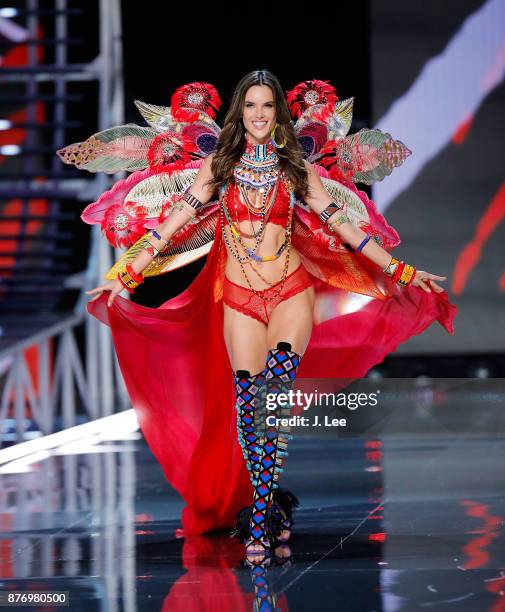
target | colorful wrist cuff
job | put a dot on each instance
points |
(138, 278)
(123, 282)
(398, 272)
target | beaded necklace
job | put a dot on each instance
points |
(264, 215)
(237, 236)
(224, 191)
(257, 171)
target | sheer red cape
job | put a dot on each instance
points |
(179, 378)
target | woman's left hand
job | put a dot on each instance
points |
(425, 280)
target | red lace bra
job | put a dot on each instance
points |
(239, 211)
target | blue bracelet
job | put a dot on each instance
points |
(363, 242)
(156, 235)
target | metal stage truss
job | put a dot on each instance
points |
(72, 374)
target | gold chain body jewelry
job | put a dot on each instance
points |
(251, 253)
(264, 214)
(261, 293)
(286, 246)
(235, 233)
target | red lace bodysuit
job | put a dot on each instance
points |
(260, 304)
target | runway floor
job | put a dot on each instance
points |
(409, 515)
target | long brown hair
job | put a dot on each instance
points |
(231, 143)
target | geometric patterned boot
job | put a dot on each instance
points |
(247, 389)
(280, 372)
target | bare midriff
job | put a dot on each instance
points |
(271, 270)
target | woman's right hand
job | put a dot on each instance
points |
(114, 286)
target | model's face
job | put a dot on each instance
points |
(259, 113)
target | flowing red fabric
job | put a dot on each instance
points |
(179, 377)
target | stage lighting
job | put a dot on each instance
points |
(10, 149)
(8, 12)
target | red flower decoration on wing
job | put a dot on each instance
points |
(120, 228)
(342, 158)
(309, 93)
(170, 151)
(190, 100)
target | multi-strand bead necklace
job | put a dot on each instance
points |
(256, 172)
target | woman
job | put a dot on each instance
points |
(265, 302)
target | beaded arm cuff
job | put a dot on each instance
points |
(191, 200)
(329, 210)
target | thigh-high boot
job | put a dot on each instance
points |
(248, 389)
(280, 372)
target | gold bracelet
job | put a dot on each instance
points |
(184, 206)
(342, 219)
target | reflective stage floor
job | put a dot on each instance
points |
(408, 515)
